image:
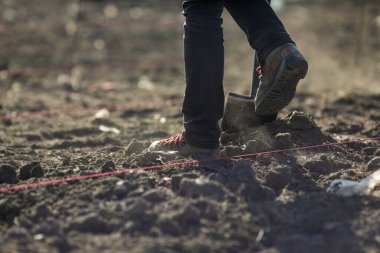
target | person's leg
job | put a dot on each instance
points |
(264, 30)
(204, 96)
(204, 62)
(282, 64)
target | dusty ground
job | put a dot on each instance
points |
(57, 56)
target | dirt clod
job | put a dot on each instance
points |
(37, 171)
(136, 147)
(256, 146)
(232, 151)
(187, 216)
(108, 166)
(300, 121)
(278, 178)
(325, 164)
(283, 140)
(26, 170)
(8, 173)
(202, 186)
(154, 196)
(374, 164)
(90, 223)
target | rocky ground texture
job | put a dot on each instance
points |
(74, 60)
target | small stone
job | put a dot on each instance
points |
(109, 166)
(278, 178)
(374, 164)
(202, 186)
(8, 174)
(135, 147)
(377, 153)
(300, 121)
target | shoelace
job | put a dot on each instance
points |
(259, 70)
(173, 140)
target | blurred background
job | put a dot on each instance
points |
(87, 53)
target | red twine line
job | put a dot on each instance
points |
(96, 175)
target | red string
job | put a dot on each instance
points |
(96, 175)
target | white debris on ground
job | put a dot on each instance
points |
(102, 114)
(347, 188)
(109, 129)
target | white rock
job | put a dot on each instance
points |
(348, 188)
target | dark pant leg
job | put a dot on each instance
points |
(264, 30)
(204, 62)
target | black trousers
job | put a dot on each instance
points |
(204, 59)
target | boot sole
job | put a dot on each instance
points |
(283, 89)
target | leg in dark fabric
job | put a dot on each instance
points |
(204, 62)
(263, 28)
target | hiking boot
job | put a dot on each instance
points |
(178, 144)
(279, 76)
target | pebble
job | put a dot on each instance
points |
(8, 173)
